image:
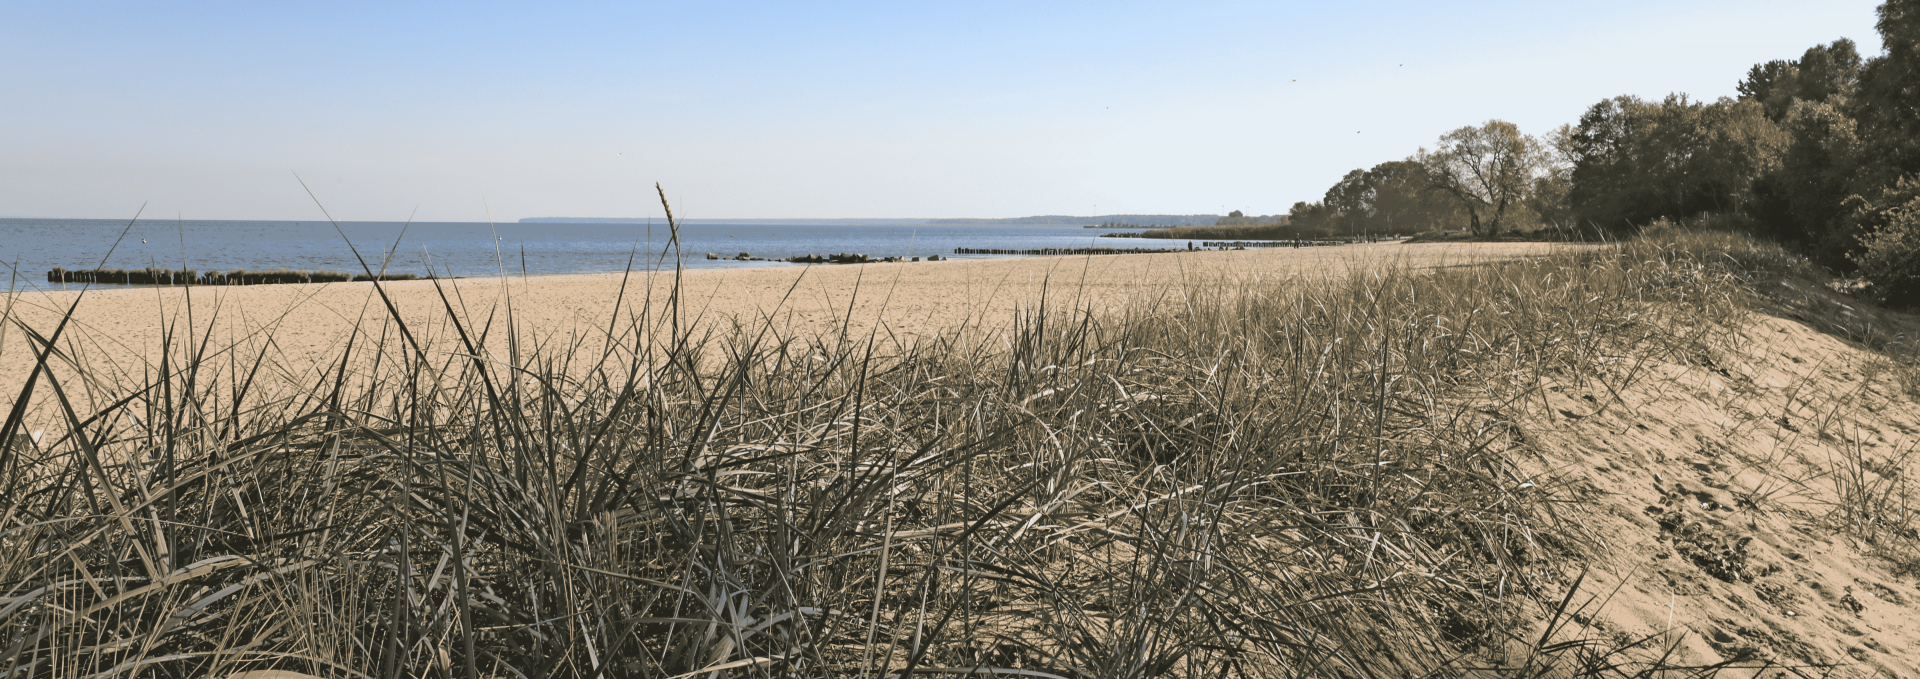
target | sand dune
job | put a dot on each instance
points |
(1707, 494)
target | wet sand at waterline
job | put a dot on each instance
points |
(118, 333)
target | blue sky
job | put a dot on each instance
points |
(746, 110)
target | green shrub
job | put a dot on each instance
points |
(1890, 254)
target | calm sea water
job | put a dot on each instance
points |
(33, 246)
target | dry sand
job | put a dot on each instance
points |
(119, 332)
(1715, 492)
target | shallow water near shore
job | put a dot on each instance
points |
(31, 247)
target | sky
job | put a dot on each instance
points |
(465, 111)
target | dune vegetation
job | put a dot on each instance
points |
(1301, 478)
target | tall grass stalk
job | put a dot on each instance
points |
(1290, 479)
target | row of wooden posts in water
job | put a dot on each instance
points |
(1244, 244)
(153, 276)
(836, 258)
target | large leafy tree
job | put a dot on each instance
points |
(1311, 218)
(1549, 199)
(1828, 72)
(1634, 161)
(1392, 197)
(1875, 226)
(1887, 104)
(1801, 201)
(1488, 170)
(1854, 133)
(1737, 144)
(1404, 199)
(1889, 229)
(1774, 84)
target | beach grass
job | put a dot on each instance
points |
(1294, 478)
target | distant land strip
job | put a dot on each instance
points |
(1069, 220)
(770, 222)
(1040, 220)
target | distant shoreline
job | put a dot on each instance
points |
(767, 222)
(1039, 220)
(913, 299)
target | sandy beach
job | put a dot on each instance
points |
(301, 328)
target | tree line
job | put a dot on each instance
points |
(1821, 153)
(1486, 179)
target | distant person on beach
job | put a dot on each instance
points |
(1189, 245)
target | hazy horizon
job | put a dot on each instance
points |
(611, 219)
(838, 112)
